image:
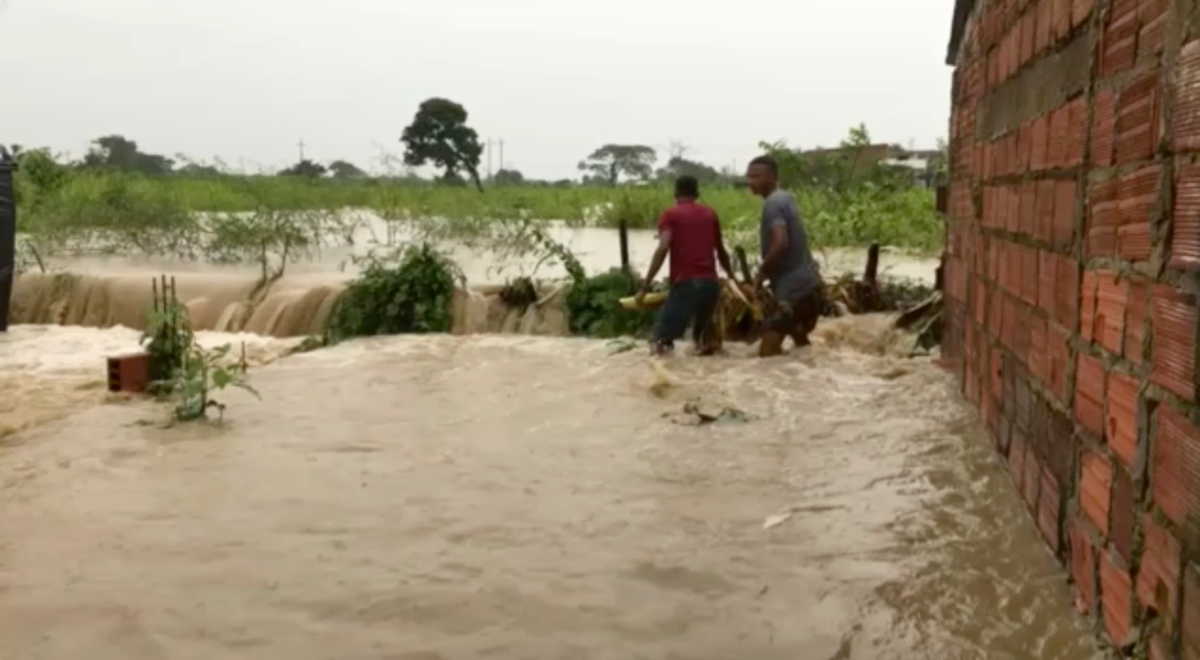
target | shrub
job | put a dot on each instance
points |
(403, 291)
(594, 307)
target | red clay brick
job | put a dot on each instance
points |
(1045, 25)
(1029, 275)
(1062, 19)
(1119, 45)
(1122, 515)
(1174, 341)
(1185, 240)
(996, 369)
(1134, 242)
(1063, 232)
(1039, 154)
(1122, 427)
(1066, 303)
(1137, 313)
(1058, 354)
(1137, 114)
(1190, 621)
(1043, 227)
(1016, 459)
(1112, 298)
(1047, 281)
(979, 304)
(1104, 219)
(1152, 37)
(1039, 366)
(1151, 10)
(1077, 121)
(1028, 36)
(1138, 193)
(1081, 10)
(1104, 127)
(1087, 309)
(1032, 481)
(1116, 589)
(1187, 99)
(1049, 506)
(1083, 568)
(1095, 489)
(1158, 577)
(1060, 137)
(1023, 144)
(1175, 480)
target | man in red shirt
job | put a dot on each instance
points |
(691, 234)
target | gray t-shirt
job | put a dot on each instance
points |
(796, 274)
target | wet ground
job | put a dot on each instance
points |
(520, 497)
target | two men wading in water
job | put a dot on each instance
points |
(690, 233)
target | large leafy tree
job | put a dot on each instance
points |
(508, 178)
(610, 162)
(439, 134)
(679, 166)
(305, 168)
(342, 169)
(120, 153)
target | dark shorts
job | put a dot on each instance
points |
(690, 301)
(798, 316)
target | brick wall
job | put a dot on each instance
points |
(1072, 278)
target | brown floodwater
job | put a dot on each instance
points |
(487, 496)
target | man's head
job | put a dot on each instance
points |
(763, 175)
(687, 187)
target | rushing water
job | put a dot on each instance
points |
(519, 497)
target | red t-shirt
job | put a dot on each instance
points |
(695, 234)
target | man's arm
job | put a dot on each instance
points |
(660, 256)
(722, 255)
(778, 247)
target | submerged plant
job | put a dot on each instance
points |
(200, 375)
(401, 291)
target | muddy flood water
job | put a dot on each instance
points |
(487, 496)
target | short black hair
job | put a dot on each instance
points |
(769, 162)
(687, 186)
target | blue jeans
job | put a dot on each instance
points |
(691, 301)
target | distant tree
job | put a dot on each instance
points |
(345, 170)
(439, 134)
(305, 168)
(117, 152)
(679, 166)
(610, 162)
(508, 178)
(195, 168)
(198, 170)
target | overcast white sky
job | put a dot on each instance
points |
(247, 79)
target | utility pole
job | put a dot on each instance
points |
(301, 145)
(489, 153)
(501, 154)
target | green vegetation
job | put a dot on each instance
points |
(179, 366)
(118, 199)
(168, 337)
(439, 134)
(593, 306)
(409, 290)
(200, 374)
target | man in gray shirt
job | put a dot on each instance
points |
(787, 262)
